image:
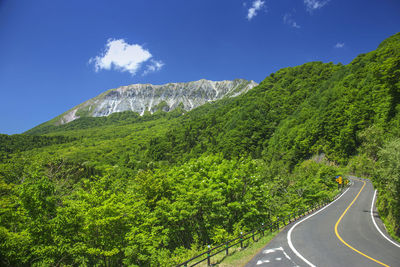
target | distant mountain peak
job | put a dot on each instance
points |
(147, 97)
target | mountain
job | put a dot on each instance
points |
(156, 189)
(147, 97)
(298, 112)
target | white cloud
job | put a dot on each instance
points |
(155, 65)
(288, 19)
(122, 56)
(255, 7)
(312, 5)
(339, 45)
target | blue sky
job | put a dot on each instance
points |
(57, 54)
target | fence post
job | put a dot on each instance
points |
(262, 227)
(253, 235)
(208, 256)
(226, 249)
(277, 224)
(241, 239)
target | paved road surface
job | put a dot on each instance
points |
(313, 241)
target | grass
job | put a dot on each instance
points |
(239, 257)
(389, 228)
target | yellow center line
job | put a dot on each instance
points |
(344, 242)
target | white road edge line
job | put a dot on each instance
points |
(373, 220)
(289, 234)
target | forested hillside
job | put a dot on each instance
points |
(153, 190)
(310, 109)
(16, 143)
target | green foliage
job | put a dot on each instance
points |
(240, 126)
(118, 118)
(65, 213)
(20, 142)
(388, 182)
(296, 113)
(155, 190)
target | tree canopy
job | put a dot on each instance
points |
(153, 190)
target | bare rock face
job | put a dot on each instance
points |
(147, 97)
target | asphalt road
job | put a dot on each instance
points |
(340, 234)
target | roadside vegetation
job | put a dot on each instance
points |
(156, 190)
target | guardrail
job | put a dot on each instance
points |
(291, 217)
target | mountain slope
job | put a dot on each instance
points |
(300, 111)
(146, 97)
(154, 190)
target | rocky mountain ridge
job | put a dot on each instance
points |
(143, 98)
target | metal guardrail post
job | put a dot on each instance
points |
(208, 256)
(262, 227)
(272, 225)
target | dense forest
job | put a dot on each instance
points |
(153, 190)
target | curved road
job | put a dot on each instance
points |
(343, 233)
